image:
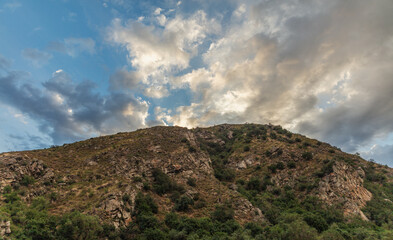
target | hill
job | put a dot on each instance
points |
(223, 182)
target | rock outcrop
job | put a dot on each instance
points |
(345, 186)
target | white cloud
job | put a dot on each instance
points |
(158, 54)
(321, 68)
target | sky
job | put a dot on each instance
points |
(72, 70)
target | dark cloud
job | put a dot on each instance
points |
(67, 111)
(123, 79)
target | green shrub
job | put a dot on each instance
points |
(272, 168)
(144, 204)
(191, 149)
(280, 165)
(316, 221)
(183, 204)
(291, 164)
(163, 184)
(27, 180)
(126, 198)
(76, 225)
(224, 174)
(191, 182)
(7, 189)
(223, 213)
(147, 221)
(307, 156)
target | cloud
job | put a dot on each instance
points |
(320, 68)
(36, 57)
(157, 53)
(73, 46)
(382, 154)
(123, 79)
(13, 5)
(4, 63)
(67, 111)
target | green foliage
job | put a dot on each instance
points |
(246, 148)
(191, 182)
(126, 198)
(280, 165)
(307, 156)
(7, 189)
(326, 169)
(183, 204)
(163, 184)
(291, 164)
(79, 226)
(223, 213)
(292, 227)
(224, 174)
(144, 204)
(27, 180)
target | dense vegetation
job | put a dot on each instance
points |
(288, 218)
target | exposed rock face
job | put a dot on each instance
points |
(15, 166)
(345, 185)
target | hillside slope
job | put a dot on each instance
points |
(259, 172)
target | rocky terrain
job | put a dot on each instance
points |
(246, 166)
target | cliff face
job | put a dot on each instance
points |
(102, 176)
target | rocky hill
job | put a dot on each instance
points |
(262, 179)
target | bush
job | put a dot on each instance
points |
(7, 189)
(224, 174)
(27, 180)
(291, 164)
(272, 168)
(307, 156)
(316, 221)
(223, 213)
(144, 204)
(163, 184)
(79, 226)
(183, 204)
(191, 149)
(147, 221)
(126, 198)
(280, 165)
(191, 182)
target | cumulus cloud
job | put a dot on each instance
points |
(73, 46)
(320, 68)
(158, 53)
(67, 111)
(36, 57)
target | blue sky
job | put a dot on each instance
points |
(71, 70)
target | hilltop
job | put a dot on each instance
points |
(241, 181)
